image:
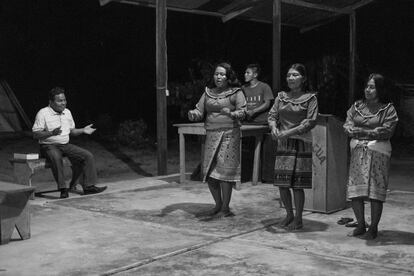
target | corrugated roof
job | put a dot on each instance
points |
(303, 14)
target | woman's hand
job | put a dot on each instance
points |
(225, 111)
(358, 132)
(282, 134)
(191, 115)
(275, 133)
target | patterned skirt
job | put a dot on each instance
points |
(293, 165)
(368, 173)
(222, 155)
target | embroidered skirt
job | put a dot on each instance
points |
(368, 172)
(293, 165)
(222, 155)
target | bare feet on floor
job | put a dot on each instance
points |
(371, 234)
(223, 214)
(209, 213)
(286, 221)
(295, 225)
(219, 215)
(357, 232)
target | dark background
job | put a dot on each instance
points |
(105, 56)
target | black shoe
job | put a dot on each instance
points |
(93, 190)
(64, 193)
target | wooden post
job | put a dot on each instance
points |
(277, 12)
(352, 57)
(161, 70)
(182, 157)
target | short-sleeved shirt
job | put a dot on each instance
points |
(47, 120)
(255, 97)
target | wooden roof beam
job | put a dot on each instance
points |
(234, 14)
(233, 6)
(357, 5)
(315, 6)
(147, 4)
(191, 11)
(237, 8)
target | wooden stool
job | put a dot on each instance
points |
(14, 211)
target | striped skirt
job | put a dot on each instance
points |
(222, 155)
(293, 164)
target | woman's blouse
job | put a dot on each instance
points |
(379, 125)
(300, 112)
(212, 103)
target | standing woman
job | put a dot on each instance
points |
(370, 123)
(290, 119)
(223, 105)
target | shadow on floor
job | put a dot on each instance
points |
(392, 237)
(188, 207)
(308, 226)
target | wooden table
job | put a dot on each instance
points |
(14, 211)
(256, 131)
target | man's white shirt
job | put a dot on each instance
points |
(47, 120)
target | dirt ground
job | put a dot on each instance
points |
(114, 162)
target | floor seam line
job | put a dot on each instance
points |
(336, 257)
(178, 252)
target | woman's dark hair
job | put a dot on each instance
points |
(255, 67)
(302, 70)
(230, 74)
(380, 87)
(55, 91)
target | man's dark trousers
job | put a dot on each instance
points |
(83, 163)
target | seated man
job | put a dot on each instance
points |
(52, 127)
(258, 96)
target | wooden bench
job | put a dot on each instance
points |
(25, 169)
(14, 211)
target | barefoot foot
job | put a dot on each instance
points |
(209, 213)
(286, 221)
(371, 234)
(221, 215)
(357, 232)
(295, 225)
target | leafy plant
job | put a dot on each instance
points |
(132, 133)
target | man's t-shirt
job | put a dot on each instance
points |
(256, 96)
(48, 119)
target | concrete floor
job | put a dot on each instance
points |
(148, 227)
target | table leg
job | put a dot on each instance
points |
(182, 157)
(256, 162)
(203, 140)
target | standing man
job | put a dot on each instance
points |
(258, 96)
(52, 127)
